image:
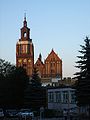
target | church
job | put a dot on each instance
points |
(50, 69)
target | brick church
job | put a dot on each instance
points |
(50, 68)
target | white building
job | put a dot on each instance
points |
(62, 98)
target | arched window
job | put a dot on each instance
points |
(25, 34)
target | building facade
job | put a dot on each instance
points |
(25, 50)
(62, 98)
(50, 68)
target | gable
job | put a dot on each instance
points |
(53, 57)
(39, 63)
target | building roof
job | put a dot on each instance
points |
(59, 87)
(39, 61)
(54, 55)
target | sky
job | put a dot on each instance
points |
(58, 24)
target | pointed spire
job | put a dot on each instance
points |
(24, 16)
(40, 56)
(52, 50)
(25, 22)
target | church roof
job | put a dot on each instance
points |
(39, 60)
(53, 55)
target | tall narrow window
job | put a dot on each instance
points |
(58, 96)
(24, 48)
(65, 97)
(25, 34)
(50, 97)
(72, 96)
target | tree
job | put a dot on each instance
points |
(36, 80)
(5, 68)
(13, 82)
(18, 82)
(35, 94)
(83, 84)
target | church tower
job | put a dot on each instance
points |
(25, 50)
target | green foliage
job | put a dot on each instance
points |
(20, 77)
(83, 84)
(5, 68)
(35, 97)
(13, 81)
(36, 81)
(35, 94)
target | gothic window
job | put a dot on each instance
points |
(24, 48)
(52, 72)
(52, 64)
(20, 49)
(28, 49)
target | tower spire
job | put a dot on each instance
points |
(24, 16)
(25, 22)
(40, 56)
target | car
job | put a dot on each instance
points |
(31, 114)
(25, 114)
(11, 112)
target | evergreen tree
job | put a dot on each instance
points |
(36, 80)
(5, 68)
(13, 82)
(35, 94)
(83, 84)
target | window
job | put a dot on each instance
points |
(28, 49)
(65, 97)
(25, 34)
(72, 96)
(58, 96)
(52, 64)
(50, 97)
(24, 48)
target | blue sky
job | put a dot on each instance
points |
(58, 24)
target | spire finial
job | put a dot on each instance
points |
(40, 56)
(25, 22)
(24, 16)
(52, 49)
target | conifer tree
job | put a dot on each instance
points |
(83, 84)
(36, 80)
(35, 94)
(13, 82)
